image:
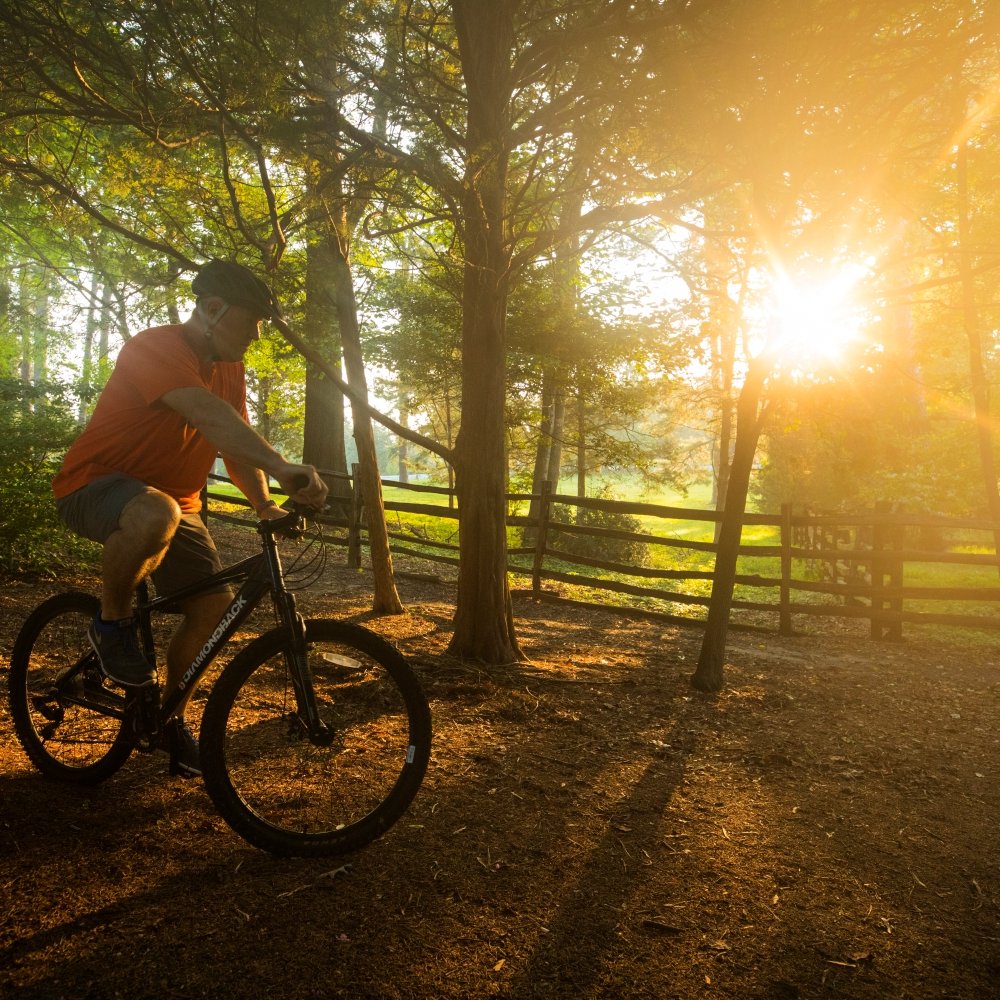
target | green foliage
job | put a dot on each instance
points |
(35, 429)
(845, 445)
(622, 550)
(276, 393)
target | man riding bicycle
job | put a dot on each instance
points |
(132, 480)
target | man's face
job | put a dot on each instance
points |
(234, 331)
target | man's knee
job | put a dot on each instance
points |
(150, 519)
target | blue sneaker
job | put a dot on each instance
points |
(117, 647)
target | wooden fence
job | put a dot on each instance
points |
(857, 566)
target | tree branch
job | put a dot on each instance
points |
(37, 177)
(358, 398)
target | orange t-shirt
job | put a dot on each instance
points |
(132, 432)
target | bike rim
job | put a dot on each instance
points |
(290, 785)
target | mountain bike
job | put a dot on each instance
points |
(314, 738)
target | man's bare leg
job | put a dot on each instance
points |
(146, 525)
(201, 615)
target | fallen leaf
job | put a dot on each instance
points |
(499, 965)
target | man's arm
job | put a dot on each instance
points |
(253, 484)
(242, 445)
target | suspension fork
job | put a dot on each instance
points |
(297, 663)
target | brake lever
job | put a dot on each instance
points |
(292, 525)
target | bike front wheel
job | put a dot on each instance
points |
(65, 715)
(291, 795)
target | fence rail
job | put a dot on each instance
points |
(850, 566)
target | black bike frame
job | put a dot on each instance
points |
(261, 574)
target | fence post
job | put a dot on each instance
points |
(543, 527)
(829, 543)
(784, 599)
(354, 522)
(897, 533)
(878, 626)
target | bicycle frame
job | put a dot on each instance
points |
(261, 574)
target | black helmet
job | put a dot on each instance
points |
(238, 286)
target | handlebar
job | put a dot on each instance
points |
(291, 525)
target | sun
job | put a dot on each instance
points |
(814, 321)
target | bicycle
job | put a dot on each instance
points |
(314, 739)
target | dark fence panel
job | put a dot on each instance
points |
(858, 562)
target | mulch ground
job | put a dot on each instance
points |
(590, 826)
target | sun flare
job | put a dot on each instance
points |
(814, 322)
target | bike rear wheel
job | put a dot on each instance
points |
(288, 795)
(66, 716)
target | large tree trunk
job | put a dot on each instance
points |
(725, 443)
(323, 438)
(484, 621)
(749, 418)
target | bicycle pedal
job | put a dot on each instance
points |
(142, 710)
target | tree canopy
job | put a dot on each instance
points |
(558, 233)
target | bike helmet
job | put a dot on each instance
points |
(238, 286)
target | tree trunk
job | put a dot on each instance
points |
(403, 448)
(40, 318)
(558, 436)
(542, 448)
(484, 621)
(24, 337)
(977, 373)
(581, 447)
(386, 598)
(323, 438)
(725, 445)
(87, 365)
(104, 333)
(749, 418)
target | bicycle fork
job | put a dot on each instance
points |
(297, 664)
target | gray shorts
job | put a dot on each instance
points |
(94, 511)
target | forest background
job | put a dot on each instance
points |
(541, 239)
